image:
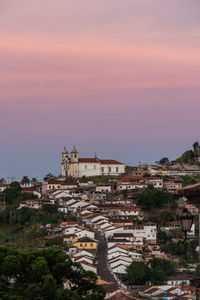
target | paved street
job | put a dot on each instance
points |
(102, 269)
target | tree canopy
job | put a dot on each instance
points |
(164, 161)
(12, 193)
(41, 274)
(155, 272)
(152, 198)
(48, 176)
(138, 273)
(187, 180)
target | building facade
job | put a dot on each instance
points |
(74, 166)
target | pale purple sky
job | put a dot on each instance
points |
(119, 77)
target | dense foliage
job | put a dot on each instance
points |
(155, 272)
(187, 180)
(187, 157)
(40, 274)
(152, 198)
(12, 194)
(164, 161)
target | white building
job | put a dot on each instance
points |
(74, 166)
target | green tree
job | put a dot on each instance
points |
(186, 157)
(187, 180)
(196, 273)
(12, 193)
(166, 217)
(160, 269)
(138, 273)
(155, 198)
(48, 176)
(49, 208)
(34, 180)
(125, 193)
(23, 215)
(164, 161)
(40, 274)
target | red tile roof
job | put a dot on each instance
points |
(89, 160)
(102, 161)
(110, 162)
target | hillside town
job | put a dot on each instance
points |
(116, 219)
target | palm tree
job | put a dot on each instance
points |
(2, 181)
(34, 180)
(25, 180)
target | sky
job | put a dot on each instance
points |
(116, 77)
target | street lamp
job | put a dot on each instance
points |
(185, 221)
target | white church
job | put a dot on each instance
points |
(74, 166)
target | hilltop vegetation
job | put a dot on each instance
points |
(190, 156)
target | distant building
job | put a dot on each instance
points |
(74, 166)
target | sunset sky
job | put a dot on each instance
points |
(116, 77)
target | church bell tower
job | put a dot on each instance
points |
(74, 163)
(64, 163)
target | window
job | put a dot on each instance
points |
(81, 245)
(117, 169)
(85, 245)
(91, 245)
(102, 169)
(85, 167)
(109, 169)
(95, 167)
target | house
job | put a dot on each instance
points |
(71, 230)
(129, 211)
(120, 270)
(131, 186)
(35, 203)
(88, 267)
(86, 243)
(106, 187)
(85, 233)
(84, 258)
(70, 238)
(72, 250)
(173, 225)
(120, 260)
(156, 182)
(173, 184)
(124, 235)
(192, 208)
(119, 294)
(181, 278)
(84, 253)
(3, 187)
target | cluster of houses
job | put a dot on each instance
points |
(107, 217)
(133, 182)
(176, 288)
(109, 223)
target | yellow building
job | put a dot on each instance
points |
(86, 243)
(70, 238)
